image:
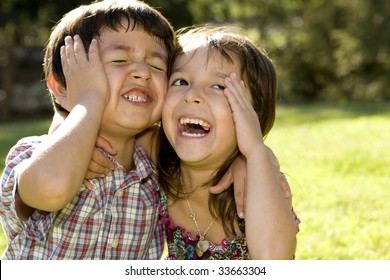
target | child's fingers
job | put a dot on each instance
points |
(64, 59)
(93, 52)
(231, 92)
(74, 49)
(102, 160)
(235, 92)
(239, 90)
(223, 184)
(92, 175)
(88, 185)
(105, 145)
(285, 186)
(79, 50)
(69, 50)
(95, 168)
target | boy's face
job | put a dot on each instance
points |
(136, 66)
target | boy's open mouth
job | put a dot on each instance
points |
(136, 95)
(193, 127)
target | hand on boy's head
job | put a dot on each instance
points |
(78, 68)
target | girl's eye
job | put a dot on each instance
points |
(219, 87)
(180, 82)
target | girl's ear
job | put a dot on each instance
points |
(56, 88)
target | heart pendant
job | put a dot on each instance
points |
(201, 247)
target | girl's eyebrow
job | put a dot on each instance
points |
(178, 70)
(222, 75)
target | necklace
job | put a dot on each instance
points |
(202, 245)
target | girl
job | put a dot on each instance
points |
(220, 105)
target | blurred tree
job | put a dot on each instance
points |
(176, 11)
(24, 23)
(337, 50)
(334, 49)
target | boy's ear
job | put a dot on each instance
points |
(55, 87)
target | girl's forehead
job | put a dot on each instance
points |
(206, 56)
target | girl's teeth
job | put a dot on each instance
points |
(192, 134)
(184, 121)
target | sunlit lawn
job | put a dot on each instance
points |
(10, 133)
(338, 162)
(337, 158)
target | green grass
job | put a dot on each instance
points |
(337, 159)
(10, 133)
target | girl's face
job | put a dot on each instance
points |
(196, 115)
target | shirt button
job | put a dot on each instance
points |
(119, 193)
(114, 243)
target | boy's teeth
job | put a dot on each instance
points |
(135, 98)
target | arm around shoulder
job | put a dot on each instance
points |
(270, 226)
(55, 172)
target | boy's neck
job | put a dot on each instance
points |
(124, 151)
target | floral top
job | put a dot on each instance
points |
(182, 244)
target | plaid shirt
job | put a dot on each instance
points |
(118, 219)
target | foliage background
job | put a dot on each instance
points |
(323, 49)
(336, 154)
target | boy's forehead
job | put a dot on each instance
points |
(131, 40)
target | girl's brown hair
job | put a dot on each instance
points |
(259, 75)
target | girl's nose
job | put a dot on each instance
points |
(193, 95)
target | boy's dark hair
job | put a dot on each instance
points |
(88, 21)
(259, 75)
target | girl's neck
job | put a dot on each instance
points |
(193, 180)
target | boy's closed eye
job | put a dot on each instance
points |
(157, 64)
(118, 61)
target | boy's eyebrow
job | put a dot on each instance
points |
(114, 47)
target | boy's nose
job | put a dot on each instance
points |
(140, 70)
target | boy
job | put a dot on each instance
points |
(45, 212)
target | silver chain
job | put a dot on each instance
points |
(192, 215)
